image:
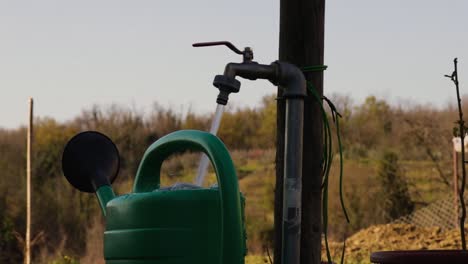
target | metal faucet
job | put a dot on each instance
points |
(291, 79)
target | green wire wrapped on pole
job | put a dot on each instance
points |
(328, 155)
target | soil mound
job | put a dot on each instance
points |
(392, 237)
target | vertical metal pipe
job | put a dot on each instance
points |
(301, 42)
(27, 248)
(292, 188)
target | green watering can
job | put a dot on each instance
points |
(162, 225)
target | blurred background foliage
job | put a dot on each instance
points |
(409, 144)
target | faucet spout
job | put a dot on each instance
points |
(251, 71)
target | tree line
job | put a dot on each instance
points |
(60, 223)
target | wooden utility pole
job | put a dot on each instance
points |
(27, 248)
(302, 43)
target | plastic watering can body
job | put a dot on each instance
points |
(153, 225)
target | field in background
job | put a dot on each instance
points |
(419, 136)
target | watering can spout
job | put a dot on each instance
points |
(104, 194)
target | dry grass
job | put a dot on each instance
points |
(257, 259)
(94, 243)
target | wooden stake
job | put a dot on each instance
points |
(27, 249)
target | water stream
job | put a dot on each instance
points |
(204, 161)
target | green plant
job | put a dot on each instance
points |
(394, 189)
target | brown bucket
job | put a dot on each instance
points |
(420, 257)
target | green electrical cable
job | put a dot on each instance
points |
(327, 149)
(328, 156)
(326, 165)
(336, 117)
(314, 68)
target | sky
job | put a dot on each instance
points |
(70, 55)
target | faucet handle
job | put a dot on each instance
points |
(247, 54)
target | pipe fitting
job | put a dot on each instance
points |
(287, 75)
(225, 85)
(291, 79)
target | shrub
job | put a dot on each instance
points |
(396, 200)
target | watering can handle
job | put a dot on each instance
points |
(148, 179)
